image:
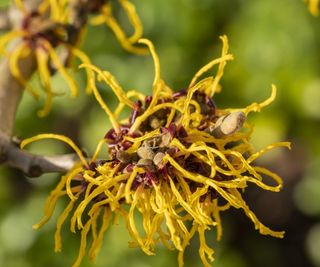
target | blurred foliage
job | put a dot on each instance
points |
(273, 42)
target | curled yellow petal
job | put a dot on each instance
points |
(62, 138)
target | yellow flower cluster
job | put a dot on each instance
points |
(48, 29)
(314, 6)
(178, 161)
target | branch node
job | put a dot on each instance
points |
(34, 171)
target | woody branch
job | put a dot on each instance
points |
(11, 92)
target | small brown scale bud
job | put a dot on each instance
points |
(157, 160)
(123, 156)
(145, 152)
(146, 164)
(227, 125)
(166, 139)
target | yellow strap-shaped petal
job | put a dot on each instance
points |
(57, 137)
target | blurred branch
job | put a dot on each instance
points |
(33, 165)
(11, 92)
(10, 89)
(4, 20)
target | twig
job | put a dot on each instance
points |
(10, 95)
(33, 165)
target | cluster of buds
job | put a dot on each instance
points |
(177, 160)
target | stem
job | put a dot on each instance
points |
(11, 92)
(33, 165)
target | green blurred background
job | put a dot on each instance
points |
(273, 42)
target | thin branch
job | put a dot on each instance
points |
(31, 164)
(11, 92)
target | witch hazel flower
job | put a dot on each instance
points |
(178, 162)
(41, 33)
(52, 34)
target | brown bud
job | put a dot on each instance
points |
(146, 164)
(228, 124)
(123, 156)
(166, 139)
(145, 152)
(157, 160)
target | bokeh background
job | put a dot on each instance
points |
(273, 42)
